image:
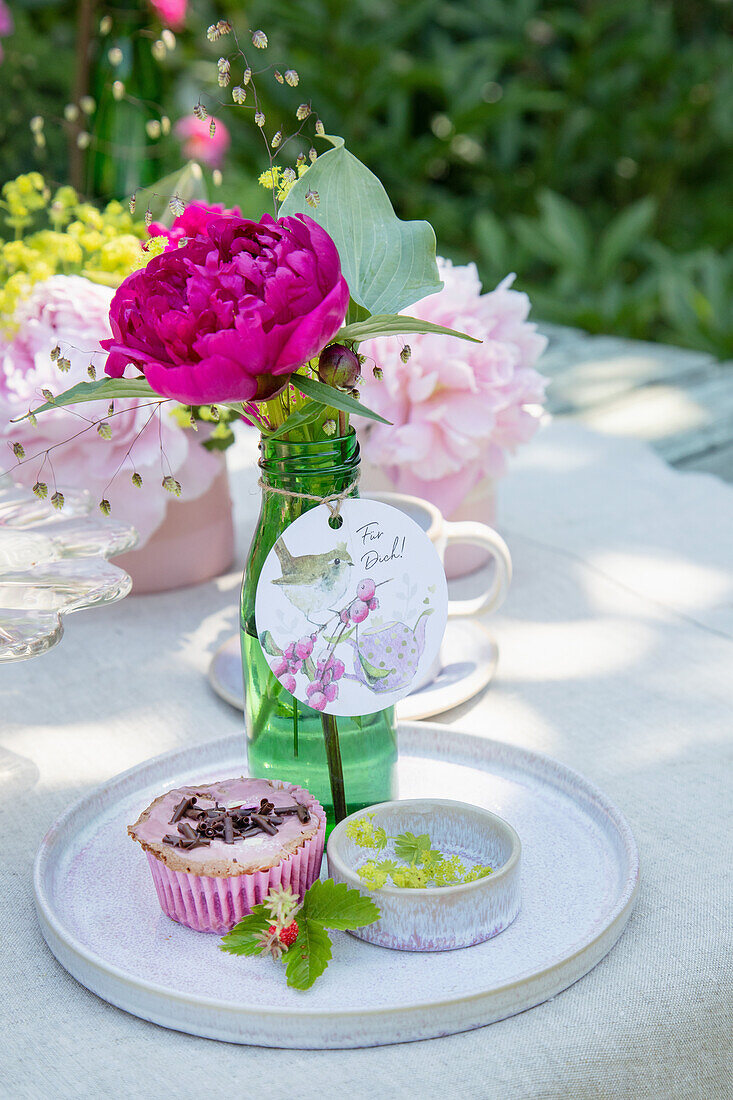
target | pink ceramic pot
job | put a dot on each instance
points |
(194, 543)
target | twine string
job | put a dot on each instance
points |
(333, 501)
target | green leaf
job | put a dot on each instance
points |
(242, 940)
(372, 672)
(298, 418)
(187, 183)
(104, 389)
(387, 263)
(334, 905)
(410, 847)
(309, 956)
(220, 439)
(269, 644)
(395, 324)
(566, 226)
(355, 312)
(327, 395)
(624, 233)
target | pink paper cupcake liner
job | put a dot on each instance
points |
(209, 903)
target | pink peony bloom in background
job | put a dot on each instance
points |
(193, 220)
(73, 313)
(456, 407)
(6, 23)
(172, 13)
(197, 143)
(241, 302)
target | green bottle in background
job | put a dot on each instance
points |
(122, 156)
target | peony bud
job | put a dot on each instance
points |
(338, 366)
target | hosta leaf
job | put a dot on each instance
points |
(387, 263)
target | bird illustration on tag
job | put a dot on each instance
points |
(314, 583)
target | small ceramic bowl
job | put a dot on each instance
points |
(436, 918)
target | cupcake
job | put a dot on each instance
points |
(216, 850)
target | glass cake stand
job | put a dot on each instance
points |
(52, 563)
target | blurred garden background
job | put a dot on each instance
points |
(588, 146)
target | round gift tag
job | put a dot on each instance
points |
(349, 617)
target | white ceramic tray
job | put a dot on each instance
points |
(468, 662)
(100, 916)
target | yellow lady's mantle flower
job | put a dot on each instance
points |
(58, 234)
(281, 178)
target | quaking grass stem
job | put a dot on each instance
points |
(295, 728)
(335, 768)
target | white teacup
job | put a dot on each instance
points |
(443, 533)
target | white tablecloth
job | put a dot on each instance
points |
(616, 657)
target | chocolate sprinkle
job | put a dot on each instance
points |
(218, 822)
(183, 806)
(264, 824)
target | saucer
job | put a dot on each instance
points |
(468, 661)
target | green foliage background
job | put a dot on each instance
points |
(585, 144)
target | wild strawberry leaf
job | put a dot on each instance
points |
(334, 905)
(309, 955)
(244, 937)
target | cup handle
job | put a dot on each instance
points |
(478, 534)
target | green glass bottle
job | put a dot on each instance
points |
(123, 156)
(285, 738)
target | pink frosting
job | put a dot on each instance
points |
(250, 853)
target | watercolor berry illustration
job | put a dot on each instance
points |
(383, 657)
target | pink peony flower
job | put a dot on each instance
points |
(73, 313)
(241, 302)
(197, 142)
(193, 220)
(170, 12)
(6, 23)
(456, 407)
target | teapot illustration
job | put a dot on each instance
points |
(386, 658)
